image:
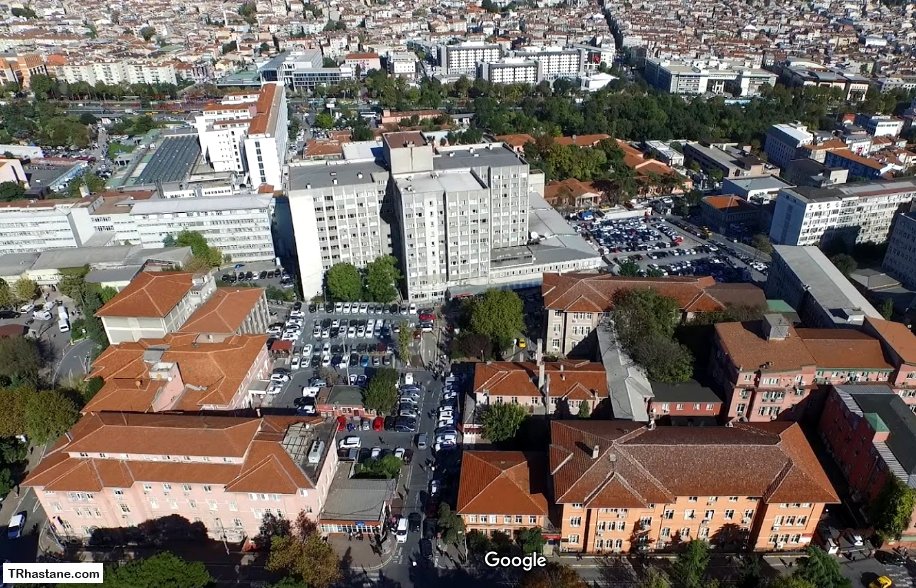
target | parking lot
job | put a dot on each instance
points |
(659, 247)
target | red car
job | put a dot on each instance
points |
(341, 423)
(378, 423)
(426, 317)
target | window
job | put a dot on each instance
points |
(519, 519)
(472, 518)
(507, 520)
(689, 514)
(666, 532)
(685, 534)
(733, 499)
(492, 519)
(212, 504)
(532, 519)
(576, 505)
(573, 539)
(124, 507)
(575, 522)
(118, 492)
(668, 514)
(709, 515)
(208, 489)
(192, 503)
(166, 487)
(729, 514)
(147, 487)
(692, 499)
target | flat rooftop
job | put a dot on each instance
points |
(489, 155)
(172, 161)
(201, 204)
(458, 181)
(322, 175)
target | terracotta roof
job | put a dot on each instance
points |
(149, 294)
(831, 145)
(896, 336)
(850, 156)
(399, 140)
(728, 203)
(264, 465)
(261, 121)
(505, 482)
(360, 56)
(585, 292)
(581, 140)
(323, 147)
(636, 466)
(224, 312)
(825, 348)
(555, 190)
(515, 140)
(844, 348)
(568, 379)
(211, 372)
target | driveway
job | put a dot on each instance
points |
(74, 361)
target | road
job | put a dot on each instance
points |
(74, 361)
(25, 548)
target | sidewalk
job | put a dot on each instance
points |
(363, 555)
(11, 503)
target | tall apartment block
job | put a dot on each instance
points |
(246, 133)
(457, 212)
(463, 58)
(856, 213)
(336, 211)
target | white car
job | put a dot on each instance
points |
(296, 363)
(279, 377)
(310, 391)
(346, 308)
(351, 332)
(376, 451)
(294, 314)
(307, 350)
(446, 413)
(412, 309)
(434, 487)
(361, 332)
(41, 315)
(363, 308)
(399, 453)
(447, 438)
(352, 379)
(274, 387)
(370, 325)
(326, 348)
(408, 379)
(326, 360)
(338, 307)
(440, 446)
(445, 423)
(289, 336)
(350, 442)
(335, 323)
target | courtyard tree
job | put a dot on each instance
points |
(821, 569)
(501, 421)
(157, 571)
(344, 283)
(381, 393)
(892, 509)
(498, 314)
(382, 275)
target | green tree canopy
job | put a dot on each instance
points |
(821, 569)
(501, 421)
(381, 393)
(7, 297)
(20, 361)
(498, 314)
(450, 524)
(628, 268)
(689, 569)
(892, 509)
(382, 275)
(48, 415)
(157, 571)
(585, 410)
(344, 282)
(763, 243)
(305, 555)
(553, 575)
(10, 191)
(200, 249)
(531, 540)
(147, 33)
(25, 289)
(404, 339)
(645, 322)
(386, 467)
(845, 263)
(325, 120)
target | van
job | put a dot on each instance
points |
(400, 532)
(62, 313)
(63, 325)
(316, 451)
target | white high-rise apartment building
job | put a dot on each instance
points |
(783, 142)
(246, 133)
(464, 57)
(512, 70)
(858, 212)
(116, 72)
(337, 215)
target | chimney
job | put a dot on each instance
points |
(540, 375)
(595, 451)
(258, 412)
(138, 383)
(562, 373)
(775, 327)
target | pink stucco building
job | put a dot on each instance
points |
(116, 469)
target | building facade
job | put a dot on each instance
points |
(856, 213)
(38, 225)
(783, 142)
(462, 59)
(116, 72)
(118, 470)
(620, 486)
(900, 259)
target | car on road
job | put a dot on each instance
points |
(447, 437)
(361, 380)
(350, 442)
(426, 549)
(444, 447)
(422, 441)
(446, 431)
(17, 525)
(376, 452)
(855, 538)
(307, 350)
(280, 375)
(364, 361)
(415, 521)
(408, 379)
(434, 487)
(378, 423)
(881, 582)
(400, 532)
(352, 379)
(296, 362)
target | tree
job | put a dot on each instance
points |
(324, 120)
(11, 191)
(306, 555)
(845, 263)
(689, 569)
(531, 540)
(20, 361)
(25, 289)
(498, 314)
(281, 294)
(655, 578)
(6, 481)
(382, 275)
(585, 410)
(887, 308)
(208, 256)
(7, 298)
(272, 526)
(501, 421)
(344, 283)
(23, 12)
(147, 33)
(450, 524)
(162, 569)
(821, 569)
(381, 393)
(386, 467)
(645, 322)
(468, 344)
(890, 513)
(48, 415)
(404, 339)
(628, 268)
(789, 582)
(762, 242)
(553, 575)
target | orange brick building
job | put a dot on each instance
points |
(620, 485)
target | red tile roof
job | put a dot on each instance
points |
(896, 336)
(636, 466)
(728, 203)
(568, 379)
(255, 444)
(504, 482)
(224, 312)
(581, 140)
(149, 294)
(586, 292)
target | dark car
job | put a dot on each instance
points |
(426, 548)
(8, 314)
(249, 275)
(414, 521)
(329, 308)
(313, 307)
(890, 558)
(405, 425)
(262, 275)
(390, 423)
(297, 305)
(225, 277)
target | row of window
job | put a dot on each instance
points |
(506, 519)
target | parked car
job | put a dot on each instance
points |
(414, 521)
(350, 441)
(17, 525)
